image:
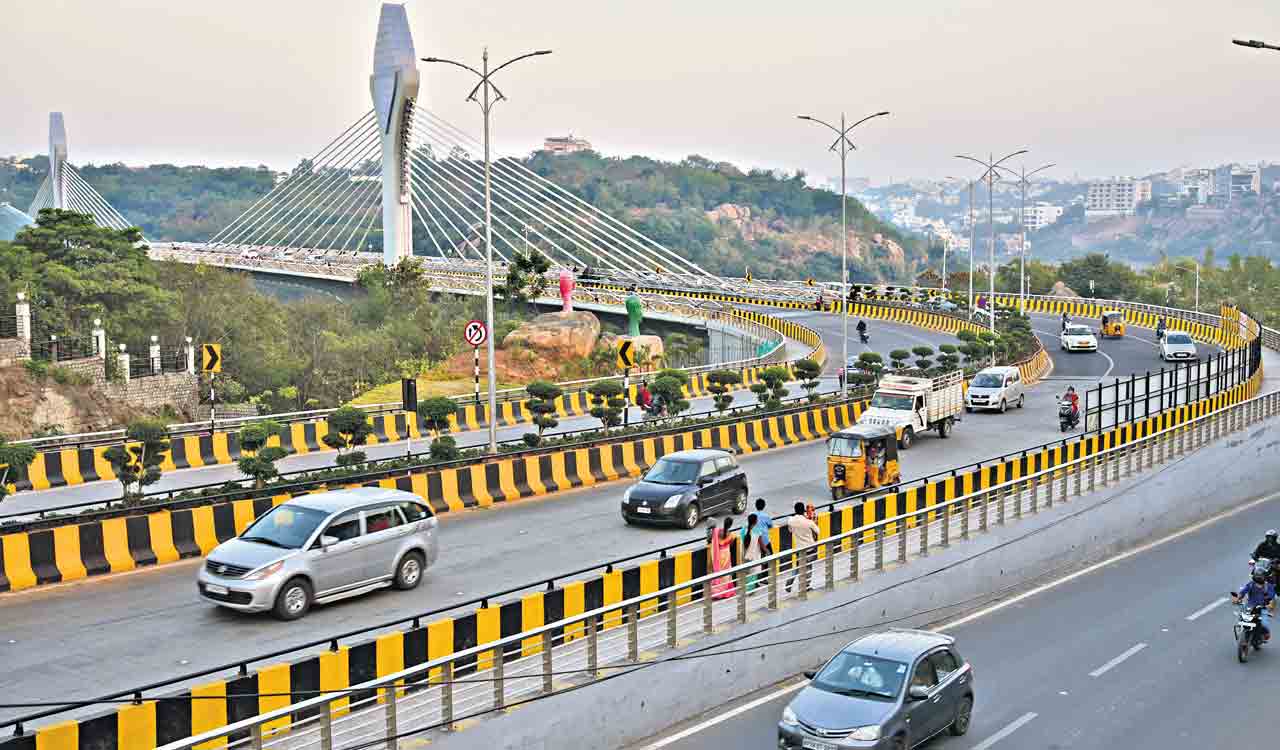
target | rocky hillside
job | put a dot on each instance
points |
(55, 403)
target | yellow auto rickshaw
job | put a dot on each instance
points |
(862, 457)
(1112, 324)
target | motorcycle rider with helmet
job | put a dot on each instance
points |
(1269, 547)
(862, 331)
(1258, 592)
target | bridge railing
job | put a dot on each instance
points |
(618, 637)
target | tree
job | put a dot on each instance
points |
(807, 371)
(607, 402)
(259, 462)
(136, 463)
(526, 278)
(776, 379)
(349, 429)
(871, 364)
(435, 413)
(1111, 279)
(14, 460)
(898, 358)
(923, 354)
(542, 404)
(669, 386)
(948, 359)
(719, 383)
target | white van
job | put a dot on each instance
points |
(995, 388)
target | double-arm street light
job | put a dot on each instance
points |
(491, 95)
(1254, 43)
(1024, 180)
(843, 146)
(990, 176)
(973, 238)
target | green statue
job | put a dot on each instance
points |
(635, 313)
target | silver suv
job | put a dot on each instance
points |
(322, 547)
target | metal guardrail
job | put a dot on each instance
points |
(576, 650)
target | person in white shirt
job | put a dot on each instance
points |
(803, 533)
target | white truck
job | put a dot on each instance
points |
(911, 404)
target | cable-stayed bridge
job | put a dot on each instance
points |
(64, 188)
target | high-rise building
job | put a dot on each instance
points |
(1118, 196)
(1040, 215)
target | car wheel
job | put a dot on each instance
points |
(968, 409)
(908, 437)
(294, 600)
(944, 429)
(899, 743)
(1022, 397)
(691, 516)
(1004, 406)
(409, 572)
(740, 502)
(964, 715)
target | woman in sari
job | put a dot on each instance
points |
(721, 557)
(752, 533)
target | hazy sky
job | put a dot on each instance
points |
(1098, 86)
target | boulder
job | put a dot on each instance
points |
(652, 345)
(1062, 290)
(557, 334)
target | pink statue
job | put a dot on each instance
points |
(566, 289)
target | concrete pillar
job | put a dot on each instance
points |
(23, 312)
(394, 87)
(53, 349)
(99, 340)
(191, 357)
(122, 360)
(155, 355)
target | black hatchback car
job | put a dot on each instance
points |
(682, 487)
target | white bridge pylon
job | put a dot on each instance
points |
(64, 188)
(403, 178)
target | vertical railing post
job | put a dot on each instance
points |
(548, 668)
(804, 571)
(1077, 468)
(775, 572)
(499, 678)
(879, 532)
(255, 736)
(393, 730)
(593, 646)
(1035, 494)
(984, 510)
(673, 619)
(855, 556)
(446, 695)
(944, 515)
(633, 633)
(1092, 461)
(326, 726)
(902, 541)
(965, 512)
(922, 523)
(708, 619)
(830, 560)
(742, 595)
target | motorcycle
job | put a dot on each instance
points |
(864, 337)
(1248, 631)
(1268, 568)
(1068, 418)
(654, 411)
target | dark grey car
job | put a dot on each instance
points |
(683, 487)
(887, 691)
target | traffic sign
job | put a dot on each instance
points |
(809, 282)
(135, 457)
(626, 354)
(748, 277)
(211, 358)
(476, 333)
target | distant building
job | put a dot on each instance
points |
(1118, 196)
(1197, 184)
(1041, 215)
(565, 145)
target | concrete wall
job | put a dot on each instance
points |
(13, 351)
(632, 707)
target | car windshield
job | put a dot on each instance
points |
(987, 380)
(667, 471)
(862, 675)
(1177, 338)
(845, 447)
(1078, 331)
(286, 526)
(891, 401)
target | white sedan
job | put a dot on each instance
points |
(1176, 345)
(1077, 338)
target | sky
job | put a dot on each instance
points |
(1100, 87)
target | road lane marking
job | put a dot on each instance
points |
(665, 741)
(1105, 563)
(1207, 609)
(1117, 661)
(1009, 729)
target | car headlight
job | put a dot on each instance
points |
(789, 717)
(265, 572)
(672, 501)
(626, 496)
(866, 733)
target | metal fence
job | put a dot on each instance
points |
(610, 640)
(59, 349)
(169, 359)
(8, 326)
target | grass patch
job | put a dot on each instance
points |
(429, 384)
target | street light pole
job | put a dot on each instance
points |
(1197, 272)
(486, 107)
(1254, 43)
(1024, 182)
(845, 145)
(973, 234)
(990, 176)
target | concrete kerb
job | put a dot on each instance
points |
(625, 709)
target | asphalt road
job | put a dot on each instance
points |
(152, 626)
(1135, 353)
(1137, 655)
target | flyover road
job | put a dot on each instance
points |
(101, 635)
(1136, 353)
(1137, 654)
(893, 335)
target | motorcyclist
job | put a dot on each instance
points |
(1074, 398)
(1258, 592)
(1160, 326)
(1066, 321)
(643, 397)
(862, 330)
(1269, 547)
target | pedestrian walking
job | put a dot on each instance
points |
(763, 518)
(753, 548)
(804, 532)
(721, 557)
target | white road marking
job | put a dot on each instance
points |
(1105, 563)
(1111, 365)
(1009, 729)
(1206, 610)
(1117, 661)
(665, 741)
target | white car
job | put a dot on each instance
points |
(1077, 338)
(995, 388)
(1178, 346)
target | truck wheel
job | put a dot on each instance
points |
(1004, 406)
(944, 429)
(908, 437)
